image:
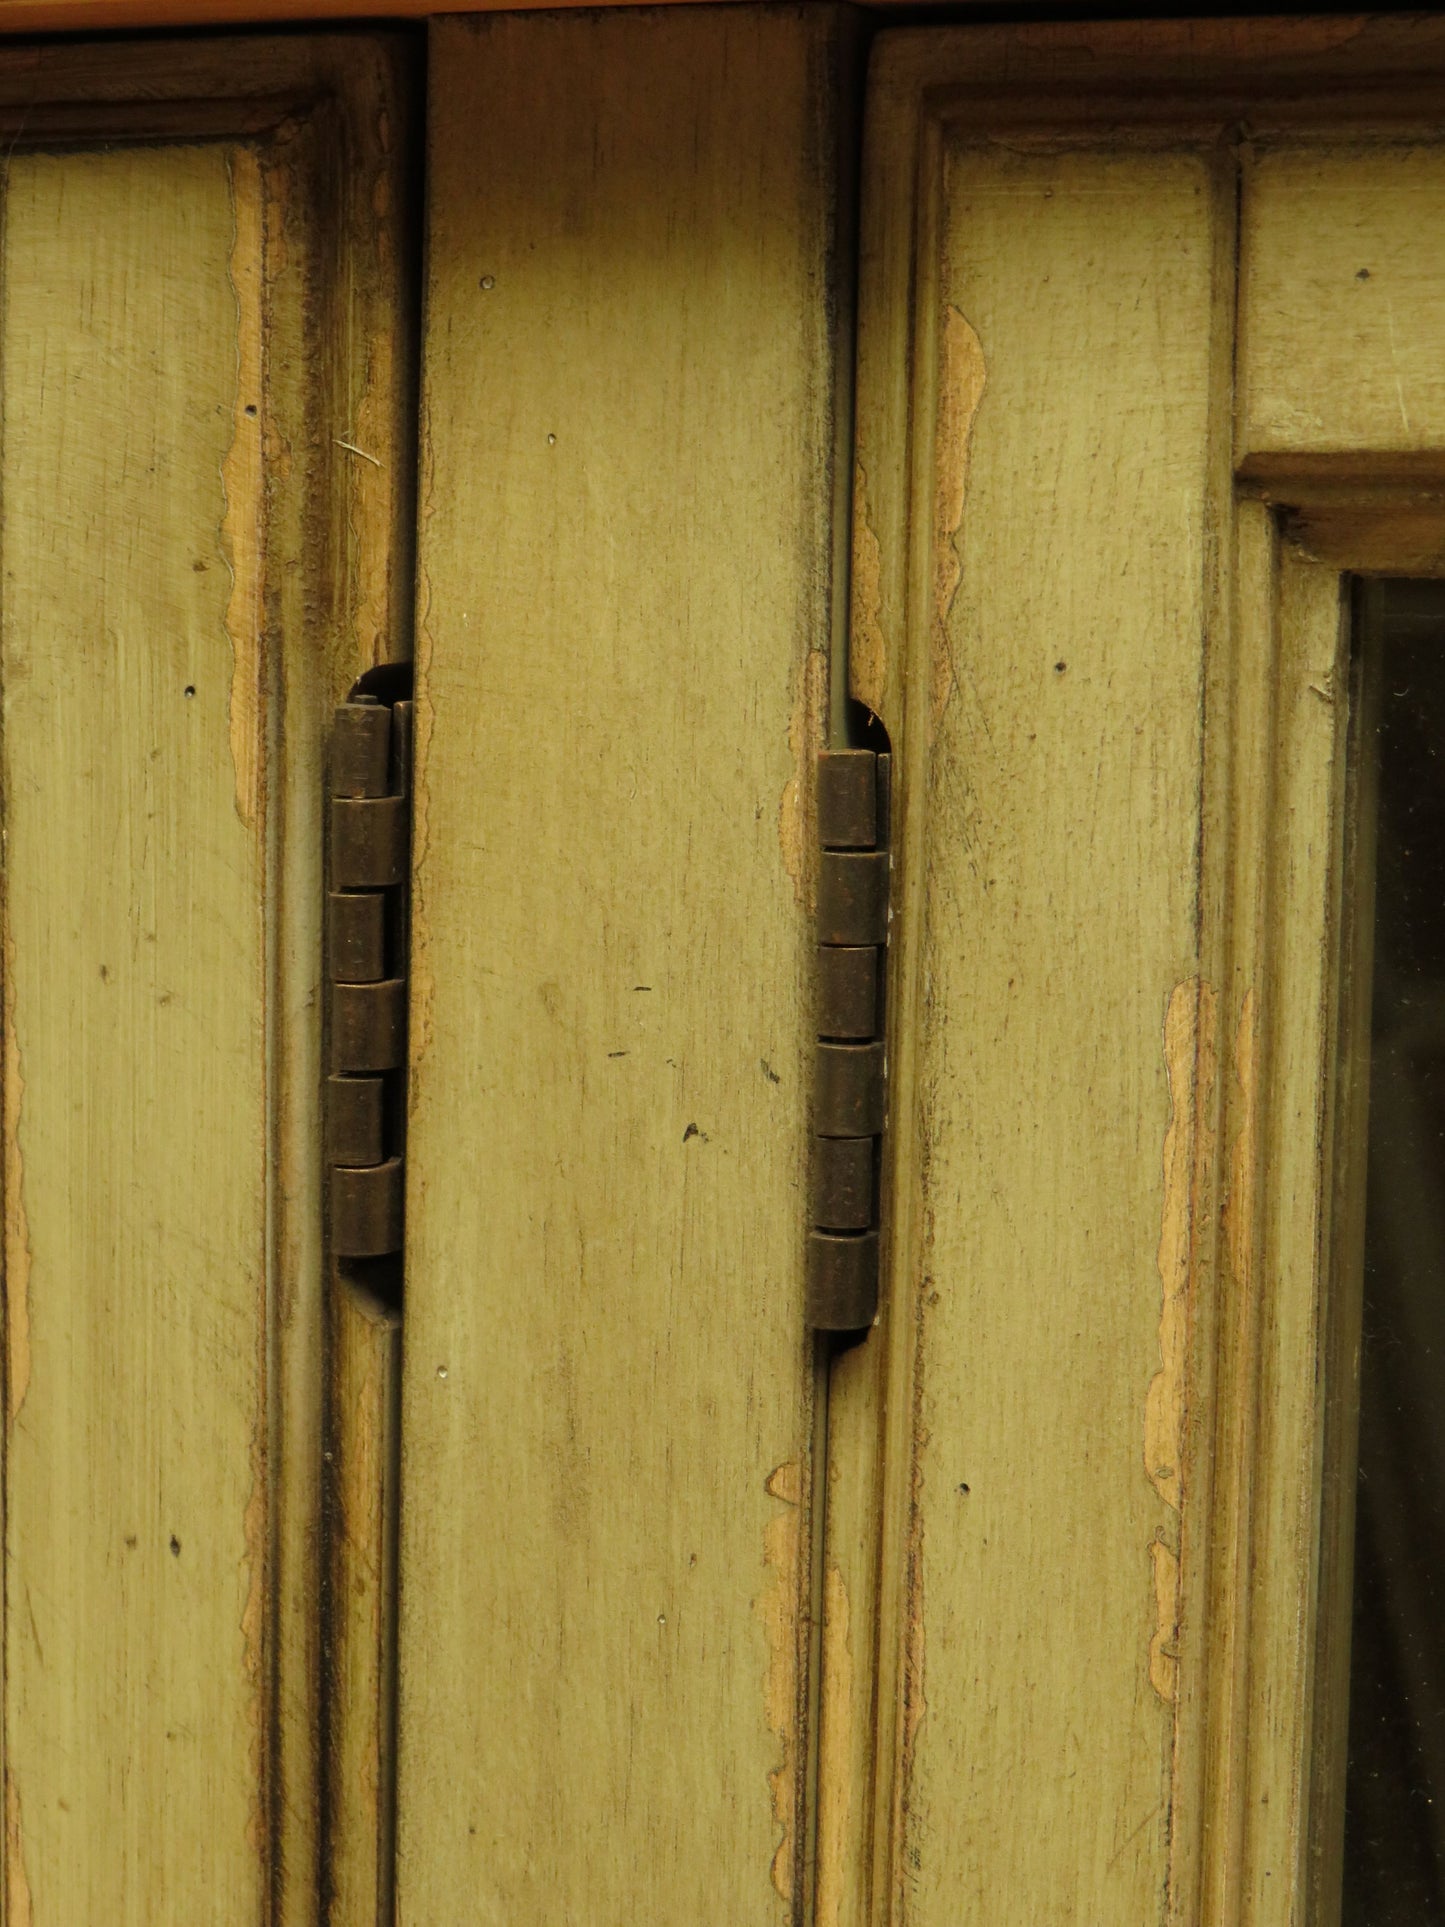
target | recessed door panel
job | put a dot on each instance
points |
(188, 568)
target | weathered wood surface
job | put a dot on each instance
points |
(1341, 298)
(136, 1102)
(363, 1442)
(1101, 1439)
(1053, 744)
(625, 563)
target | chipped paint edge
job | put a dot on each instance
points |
(242, 481)
(962, 380)
(797, 809)
(1191, 1070)
(777, 1611)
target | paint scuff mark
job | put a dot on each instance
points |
(777, 1609)
(1239, 1207)
(253, 1619)
(17, 1225)
(19, 1911)
(374, 489)
(962, 378)
(835, 1748)
(907, 1822)
(241, 531)
(1190, 1062)
(797, 810)
(867, 646)
(423, 979)
(1163, 1653)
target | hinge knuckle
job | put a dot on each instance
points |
(360, 748)
(366, 946)
(368, 1025)
(843, 1183)
(366, 1208)
(842, 1280)
(849, 983)
(848, 799)
(848, 1090)
(356, 935)
(354, 1127)
(368, 842)
(853, 897)
(849, 1087)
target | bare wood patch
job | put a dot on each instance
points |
(777, 1609)
(1190, 1056)
(19, 1911)
(867, 645)
(962, 378)
(242, 532)
(834, 1790)
(796, 811)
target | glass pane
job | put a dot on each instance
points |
(1394, 1850)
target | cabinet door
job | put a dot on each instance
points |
(1148, 369)
(200, 307)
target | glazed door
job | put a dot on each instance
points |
(1149, 398)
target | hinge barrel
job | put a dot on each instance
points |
(366, 971)
(849, 1089)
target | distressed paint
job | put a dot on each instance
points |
(1190, 1057)
(797, 812)
(17, 1228)
(867, 645)
(135, 919)
(836, 1845)
(242, 527)
(1056, 565)
(962, 378)
(777, 1610)
(159, 1315)
(1239, 1214)
(19, 1909)
(913, 1704)
(646, 486)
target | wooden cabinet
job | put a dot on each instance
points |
(1038, 391)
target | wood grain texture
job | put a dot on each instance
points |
(137, 1262)
(99, 16)
(1033, 571)
(1121, 702)
(363, 1442)
(191, 572)
(1058, 941)
(625, 563)
(1341, 302)
(1299, 1063)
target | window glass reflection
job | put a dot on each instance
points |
(1394, 1849)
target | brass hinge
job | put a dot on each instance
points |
(366, 944)
(849, 1090)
